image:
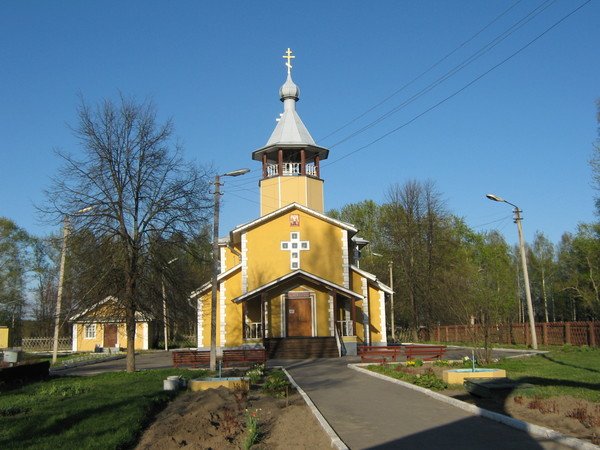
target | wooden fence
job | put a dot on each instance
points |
(548, 333)
(44, 344)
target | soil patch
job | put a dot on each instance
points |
(568, 415)
(216, 419)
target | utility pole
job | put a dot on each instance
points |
(61, 279)
(518, 219)
(392, 320)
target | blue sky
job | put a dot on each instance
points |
(524, 131)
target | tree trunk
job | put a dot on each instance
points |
(130, 310)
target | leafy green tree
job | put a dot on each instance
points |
(542, 268)
(14, 260)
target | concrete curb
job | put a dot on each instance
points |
(529, 428)
(336, 442)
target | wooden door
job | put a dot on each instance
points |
(299, 317)
(110, 335)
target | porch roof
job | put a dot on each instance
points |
(298, 274)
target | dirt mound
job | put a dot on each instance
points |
(216, 419)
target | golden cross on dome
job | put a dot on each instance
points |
(288, 55)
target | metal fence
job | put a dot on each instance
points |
(548, 333)
(44, 344)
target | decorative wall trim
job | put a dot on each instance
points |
(283, 315)
(382, 316)
(244, 263)
(223, 259)
(222, 314)
(266, 317)
(74, 345)
(331, 316)
(345, 260)
(200, 336)
(366, 310)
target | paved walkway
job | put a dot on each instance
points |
(143, 361)
(368, 413)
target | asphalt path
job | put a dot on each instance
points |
(370, 413)
(143, 361)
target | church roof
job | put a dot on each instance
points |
(290, 131)
(303, 275)
(241, 228)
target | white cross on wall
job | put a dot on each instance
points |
(295, 246)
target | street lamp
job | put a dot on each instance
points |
(216, 264)
(164, 295)
(61, 279)
(518, 219)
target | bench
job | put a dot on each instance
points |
(379, 354)
(201, 358)
(191, 358)
(426, 352)
(244, 357)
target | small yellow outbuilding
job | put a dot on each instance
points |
(103, 326)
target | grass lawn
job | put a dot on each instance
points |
(104, 411)
(573, 371)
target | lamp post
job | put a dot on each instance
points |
(216, 265)
(61, 279)
(518, 219)
(164, 295)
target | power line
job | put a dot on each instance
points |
(466, 62)
(466, 86)
(441, 60)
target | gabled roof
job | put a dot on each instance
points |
(369, 276)
(208, 285)
(139, 316)
(240, 228)
(303, 275)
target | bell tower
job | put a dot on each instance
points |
(291, 159)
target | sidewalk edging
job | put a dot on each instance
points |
(336, 442)
(529, 428)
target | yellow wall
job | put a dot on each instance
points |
(278, 192)
(375, 315)
(266, 261)
(3, 337)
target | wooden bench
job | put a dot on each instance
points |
(244, 357)
(191, 358)
(426, 352)
(201, 358)
(379, 354)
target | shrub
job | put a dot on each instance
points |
(276, 383)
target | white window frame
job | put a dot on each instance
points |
(89, 331)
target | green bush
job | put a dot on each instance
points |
(276, 383)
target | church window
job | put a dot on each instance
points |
(295, 255)
(304, 245)
(294, 265)
(294, 245)
(284, 246)
(294, 236)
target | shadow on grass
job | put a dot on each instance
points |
(562, 363)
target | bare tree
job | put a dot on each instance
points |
(131, 189)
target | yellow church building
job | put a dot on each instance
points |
(289, 280)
